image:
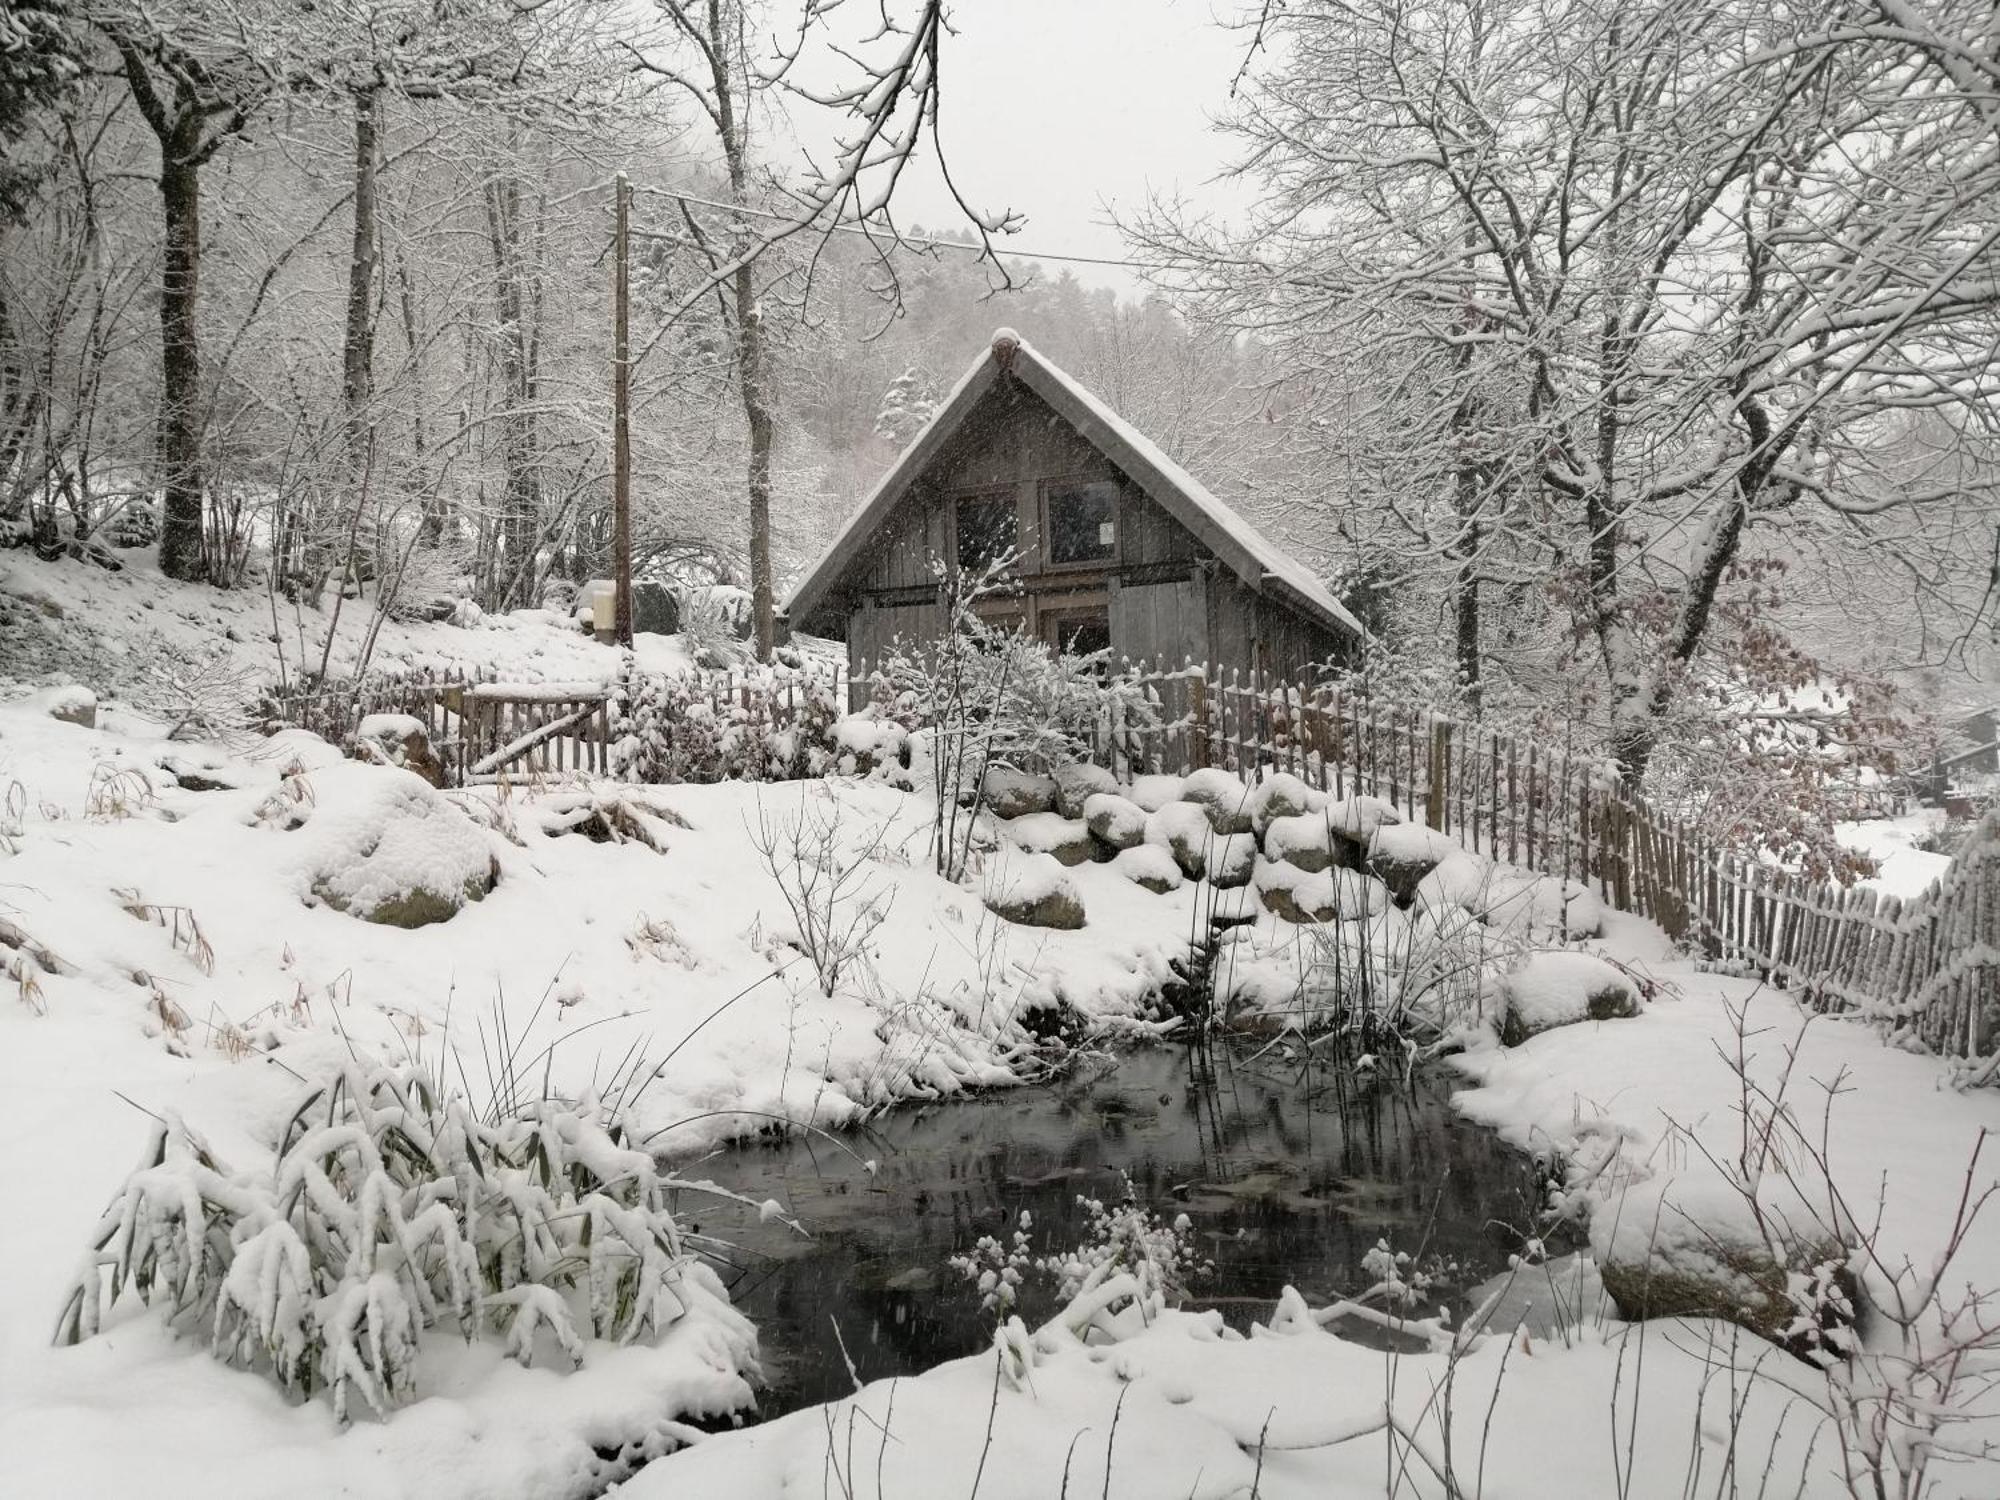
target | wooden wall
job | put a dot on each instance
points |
(1167, 597)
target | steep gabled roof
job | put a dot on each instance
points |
(1245, 550)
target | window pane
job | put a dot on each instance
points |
(1083, 522)
(1081, 632)
(987, 530)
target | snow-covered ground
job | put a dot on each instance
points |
(1902, 868)
(193, 966)
(170, 920)
(134, 630)
(1650, 1113)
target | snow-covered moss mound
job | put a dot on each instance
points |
(382, 845)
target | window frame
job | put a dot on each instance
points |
(1044, 494)
(1004, 493)
(1053, 615)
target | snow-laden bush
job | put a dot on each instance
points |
(393, 1209)
(1130, 1265)
(765, 723)
(995, 699)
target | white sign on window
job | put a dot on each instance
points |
(1105, 536)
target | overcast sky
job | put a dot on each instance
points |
(1058, 108)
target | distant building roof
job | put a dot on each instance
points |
(1252, 557)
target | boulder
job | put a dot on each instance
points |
(866, 741)
(1402, 854)
(1075, 784)
(1306, 841)
(1583, 911)
(1559, 987)
(1729, 1275)
(1231, 859)
(656, 608)
(1015, 794)
(1114, 821)
(1032, 890)
(1525, 905)
(1304, 896)
(1222, 796)
(74, 705)
(1183, 830)
(383, 846)
(1155, 792)
(1068, 839)
(1150, 866)
(396, 740)
(1281, 796)
(1458, 881)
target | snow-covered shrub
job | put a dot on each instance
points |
(996, 1271)
(1131, 1265)
(759, 723)
(393, 1209)
(995, 699)
(715, 624)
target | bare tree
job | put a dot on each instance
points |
(1708, 263)
(194, 100)
(714, 54)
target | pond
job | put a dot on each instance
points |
(1289, 1164)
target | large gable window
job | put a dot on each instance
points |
(988, 530)
(1083, 522)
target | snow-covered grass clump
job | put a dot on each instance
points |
(393, 1210)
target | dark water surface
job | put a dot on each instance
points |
(1289, 1168)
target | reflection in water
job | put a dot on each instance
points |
(1290, 1168)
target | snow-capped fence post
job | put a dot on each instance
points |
(1197, 681)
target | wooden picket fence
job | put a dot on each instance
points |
(1928, 964)
(483, 728)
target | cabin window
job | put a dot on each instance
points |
(1077, 631)
(1083, 522)
(988, 530)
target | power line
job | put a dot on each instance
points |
(884, 232)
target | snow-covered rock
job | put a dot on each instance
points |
(399, 740)
(1183, 830)
(380, 844)
(1222, 796)
(1155, 792)
(1558, 987)
(1067, 839)
(1231, 858)
(1033, 890)
(1281, 795)
(1077, 783)
(1459, 880)
(1357, 817)
(72, 705)
(1015, 794)
(1150, 866)
(1306, 840)
(1115, 821)
(1402, 854)
(867, 740)
(1521, 904)
(1328, 895)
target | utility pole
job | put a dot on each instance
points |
(621, 419)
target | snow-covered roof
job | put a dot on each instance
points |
(1249, 554)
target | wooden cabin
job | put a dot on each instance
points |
(1118, 545)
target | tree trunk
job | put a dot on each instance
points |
(180, 366)
(520, 503)
(756, 407)
(1465, 590)
(357, 350)
(357, 383)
